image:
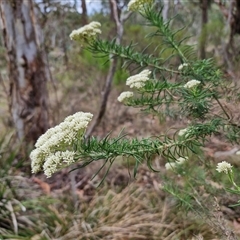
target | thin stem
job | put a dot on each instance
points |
(219, 103)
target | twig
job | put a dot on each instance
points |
(219, 103)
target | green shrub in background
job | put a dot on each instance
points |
(194, 92)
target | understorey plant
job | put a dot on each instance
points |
(193, 92)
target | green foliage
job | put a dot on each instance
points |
(120, 76)
(195, 100)
(89, 59)
(193, 92)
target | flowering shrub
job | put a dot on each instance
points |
(87, 33)
(224, 167)
(158, 89)
(138, 5)
(179, 161)
(139, 80)
(181, 66)
(55, 148)
(191, 84)
(124, 96)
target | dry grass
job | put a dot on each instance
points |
(139, 211)
(121, 209)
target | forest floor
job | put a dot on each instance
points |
(71, 206)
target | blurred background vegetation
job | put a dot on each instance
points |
(70, 205)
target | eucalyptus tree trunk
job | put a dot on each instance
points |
(112, 6)
(234, 22)
(203, 37)
(84, 12)
(165, 10)
(27, 65)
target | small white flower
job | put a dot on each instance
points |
(136, 78)
(170, 166)
(224, 167)
(145, 72)
(86, 33)
(139, 80)
(137, 85)
(136, 5)
(51, 164)
(55, 161)
(124, 96)
(237, 153)
(68, 157)
(43, 138)
(181, 160)
(192, 83)
(182, 132)
(181, 66)
(95, 24)
(37, 160)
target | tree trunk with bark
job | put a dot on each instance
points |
(203, 37)
(27, 65)
(84, 13)
(112, 17)
(165, 10)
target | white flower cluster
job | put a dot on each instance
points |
(139, 80)
(172, 165)
(224, 167)
(52, 147)
(86, 33)
(181, 66)
(137, 5)
(237, 153)
(182, 132)
(192, 83)
(124, 96)
(55, 160)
